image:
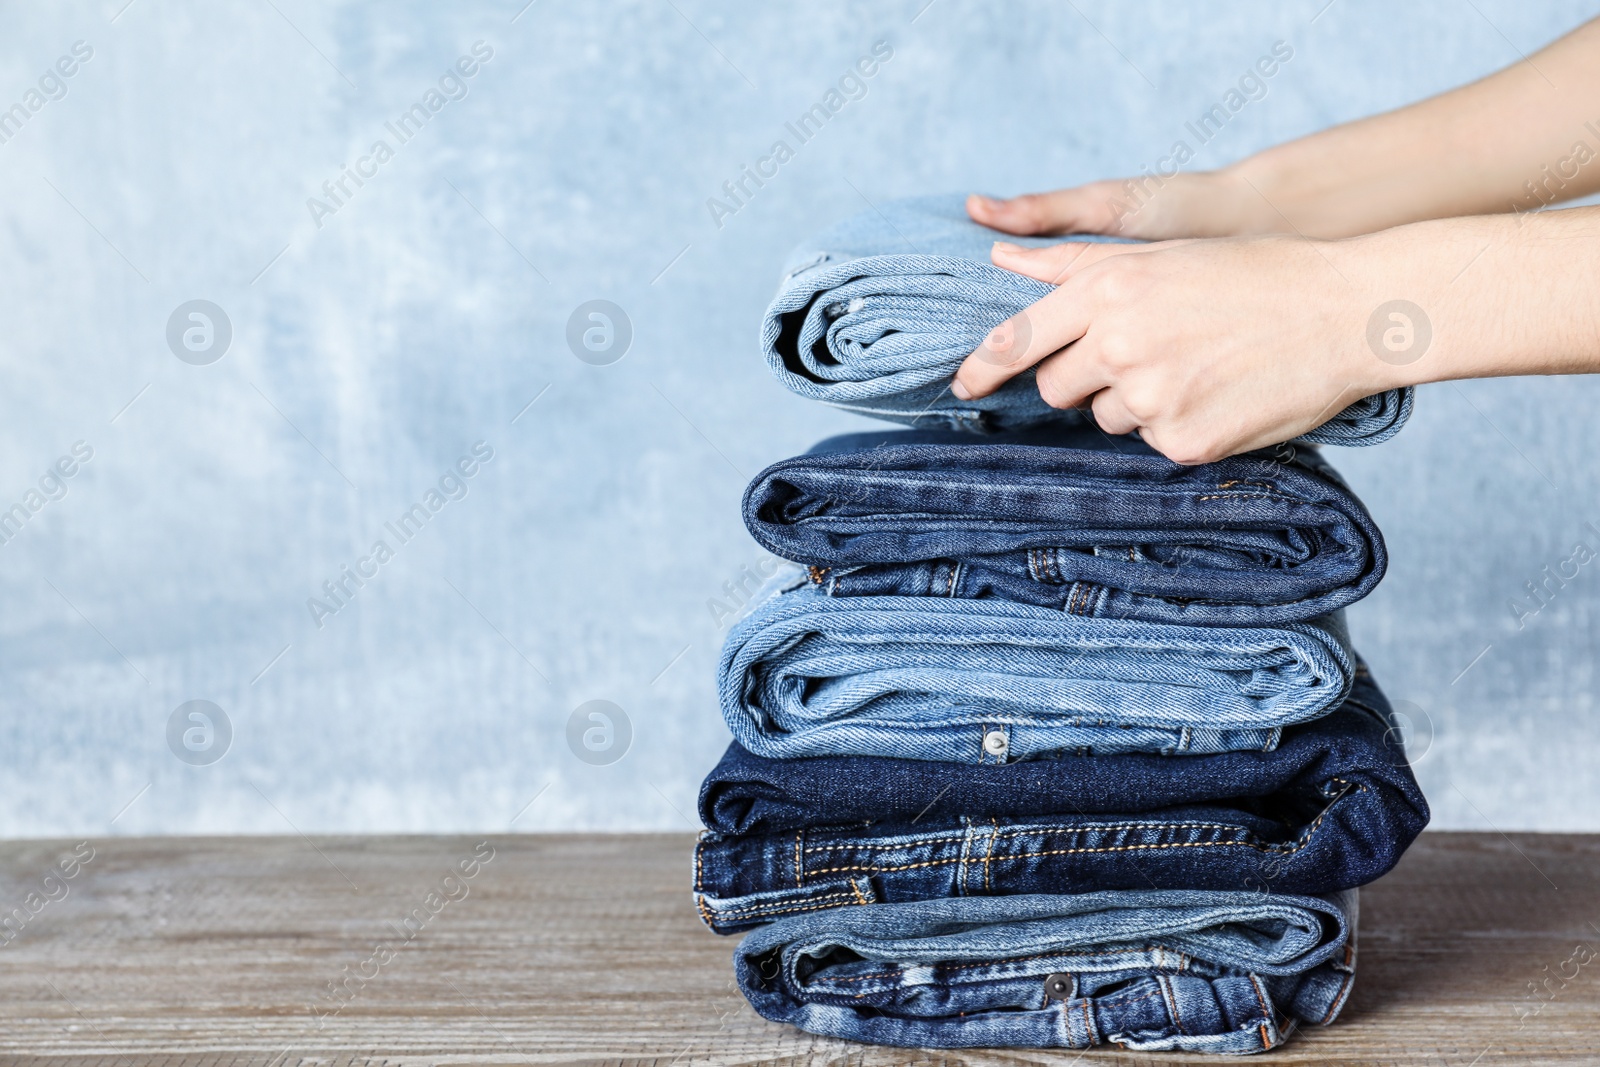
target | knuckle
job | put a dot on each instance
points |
(1117, 349)
(1111, 415)
(1141, 408)
(1114, 281)
(1192, 450)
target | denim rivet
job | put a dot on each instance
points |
(995, 743)
(1058, 987)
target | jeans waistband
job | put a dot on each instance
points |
(1357, 835)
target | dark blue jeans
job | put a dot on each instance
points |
(1071, 519)
(1333, 807)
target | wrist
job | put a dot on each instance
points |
(1483, 296)
(1266, 194)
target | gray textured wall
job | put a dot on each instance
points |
(371, 351)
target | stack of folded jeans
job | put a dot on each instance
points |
(1044, 740)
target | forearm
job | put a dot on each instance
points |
(1508, 142)
(1503, 295)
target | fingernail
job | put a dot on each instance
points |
(961, 391)
(1007, 246)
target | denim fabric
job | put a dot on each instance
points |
(1226, 973)
(1358, 742)
(876, 313)
(1332, 808)
(1070, 519)
(987, 681)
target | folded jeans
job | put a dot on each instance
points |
(1070, 519)
(989, 681)
(1227, 973)
(875, 314)
(1358, 742)
(1333, 807)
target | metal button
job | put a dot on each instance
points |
(1058, 987)
(995, 743)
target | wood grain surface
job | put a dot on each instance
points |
(585, 950)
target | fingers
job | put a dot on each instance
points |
(1074, 376)
(1054, 264)
(1111, 414)
(1021, 341)
(1044, 214)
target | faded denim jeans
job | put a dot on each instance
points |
(989, 681)
(875, 314)
(1227, 973)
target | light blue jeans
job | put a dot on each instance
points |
(990, 680)
(1227, 973)
(875, 314)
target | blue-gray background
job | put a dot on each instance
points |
(369, 353)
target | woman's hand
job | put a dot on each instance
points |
(1220, 203)
(1212, 347)
(1207, 348)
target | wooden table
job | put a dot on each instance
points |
(585, 950)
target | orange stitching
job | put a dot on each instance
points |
(994, 835)
(1267, 1013)
(1018, 833)
(779, 909)
(1286, 850)
(1005, 960)
(1255, 987)
(857, 889)
(932, 838)
(797, 841)
(1046, 852)
(1124, 1000)
(778, 905)
(1249, 496)
(1339, 998)
(1172, 1003)
(860, 978)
